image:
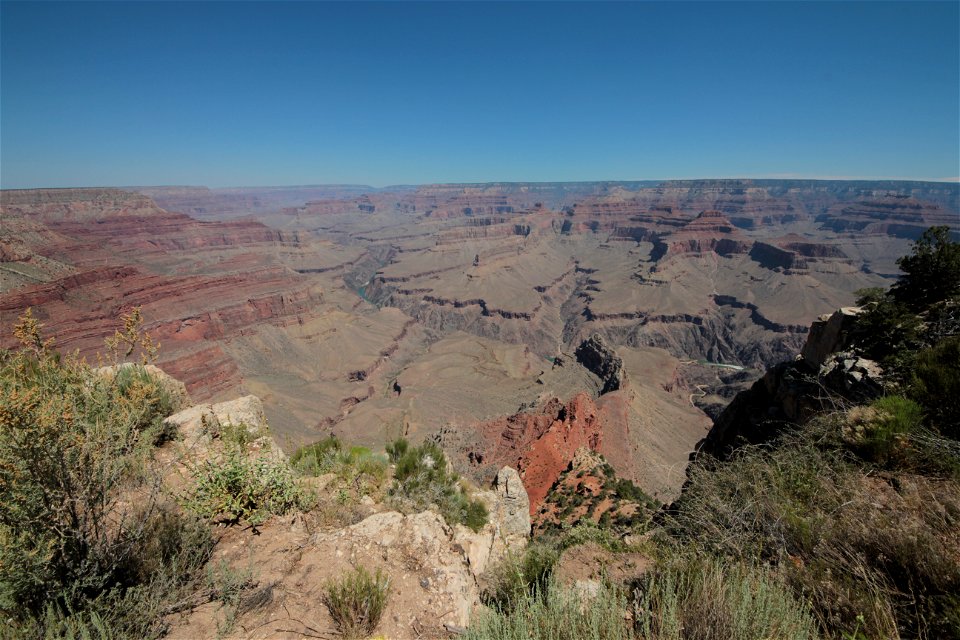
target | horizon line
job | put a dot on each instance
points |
(388, 186)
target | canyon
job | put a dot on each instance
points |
(515, 323)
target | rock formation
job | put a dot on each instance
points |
(599, 358)
(793, 391)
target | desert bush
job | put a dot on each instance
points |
(87, 546)
(396, 449)
(703, 598)
(317, 458)
(850, 543)
(557, 613)
(357, 601)
(521, 575)
(526, 574)
(935, 384)
(358, 470)
(236, 487)
(888, 423)
(227, 585)
(422, 480)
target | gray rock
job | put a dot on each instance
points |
(514, 504)
(828, 334)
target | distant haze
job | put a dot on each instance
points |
(228, 94)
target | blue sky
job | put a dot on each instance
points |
(229, 94)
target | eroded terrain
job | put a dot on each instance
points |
(456, 311)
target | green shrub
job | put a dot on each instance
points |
(700, 598)
(520, 576)
(396, 449)
(936, 385)
(931, 273)
(557, 614)
(237, 488)
(356, 602)
(422, 480)
(892, 419)
(74, 447)
(362, 472)
(317, 458)
(851, 543)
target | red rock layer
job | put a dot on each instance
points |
(198, 283)
(542, 443)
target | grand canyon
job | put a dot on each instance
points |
(513, 323)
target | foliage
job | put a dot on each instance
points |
(358, 472)
(422, 480)
(125, 341)
(521, 576)
(918, 311)
(317, 458)
(238, 488)
(702, 598)
(82, 526)
(853, 544)
(396, 449)
(931, 273)
(228, 585)
(557, 614)
(356, 601)
(526, 574)
(881, 431)
(935, 384)
(887, 331)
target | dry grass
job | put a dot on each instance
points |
(884, 546)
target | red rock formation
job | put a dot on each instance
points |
(542, 443)
(126, 252)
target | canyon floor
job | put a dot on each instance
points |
(457, 312)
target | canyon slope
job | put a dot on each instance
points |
(459, 312)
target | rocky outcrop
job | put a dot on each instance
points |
(594, 354)
(198, 426)
(855, 378)
(538, 443)
(828, 334)
(513, 505)
(793, 391)
(508, 530)
(430, 583)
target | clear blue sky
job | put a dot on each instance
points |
(275, 93)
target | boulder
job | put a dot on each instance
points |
(828, 334)
(852, 377)
(508, 528)
(200, 425)
(513, 505)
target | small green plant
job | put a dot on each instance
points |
(357, 601)
(396, 449)
(422, 480)
(317, 458)
(892, 419)
(358, 470)
(237, 488)
(557, 613)
(523, 575)
(935, 384)
(227, 585)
